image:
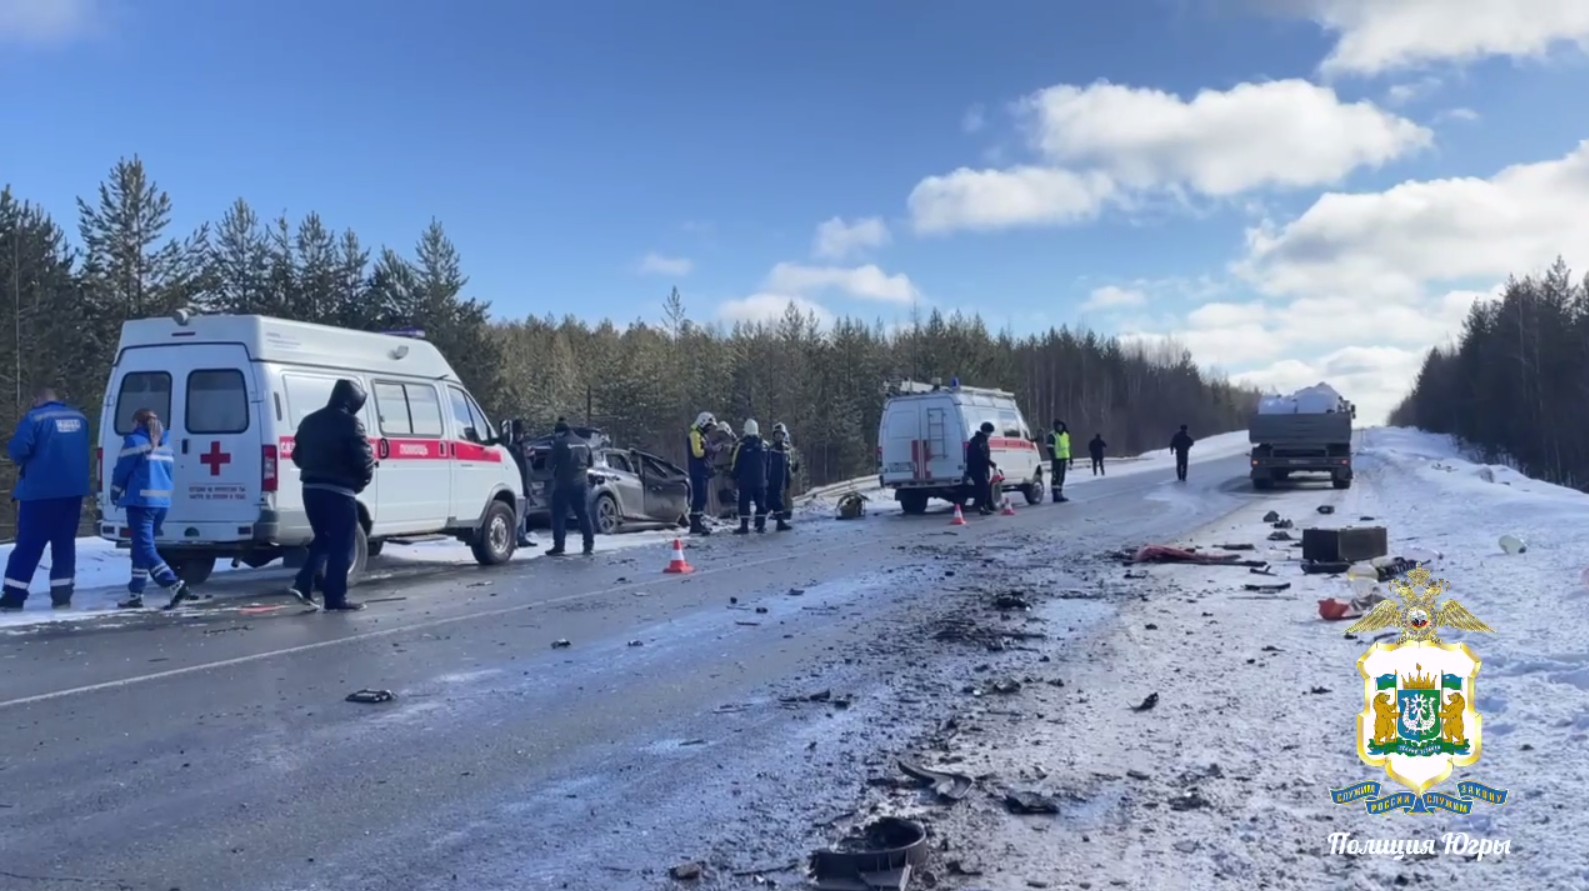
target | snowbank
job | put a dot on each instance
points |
(102, 573)
(1256, 697)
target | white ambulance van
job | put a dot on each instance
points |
(232, 390)
(922, 439)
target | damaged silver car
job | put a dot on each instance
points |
(629, 489)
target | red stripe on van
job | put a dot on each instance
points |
(1011, 443)
(420, 450)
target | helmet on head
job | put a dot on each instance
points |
(752, 428)
(704, 420)
(779, 431)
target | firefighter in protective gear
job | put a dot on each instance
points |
(700, 466)
(750, 477)
(1059, 446)
(52, 447)
(780, 472)
(141, 483)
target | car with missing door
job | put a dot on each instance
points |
(629, 489)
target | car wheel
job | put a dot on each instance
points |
(607, 517)
(496, 538)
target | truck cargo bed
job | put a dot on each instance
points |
(1311, 429)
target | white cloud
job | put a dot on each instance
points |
(1105, 142)
(1378, 36)
(1402, 94)
(865, 282)
(657, 264)
(1110, 297)
(1390, 245)
(1465, 115)
(1284, 133)
(765, 307)
(974, 119)
(1002, 199)
(838, 240)
(48, 22)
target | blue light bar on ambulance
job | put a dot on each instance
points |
(415, 333)
(954, 383)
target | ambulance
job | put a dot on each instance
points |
(232, 390)
(922, 439)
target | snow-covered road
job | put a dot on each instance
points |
(1225, 781)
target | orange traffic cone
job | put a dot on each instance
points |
(960, 518)
(1009, 506)
(678, 564)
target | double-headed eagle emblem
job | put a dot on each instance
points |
(1419, 616)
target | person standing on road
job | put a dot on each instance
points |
(1059, 447)
(335, 463)
(1095, 448)
(780, 471)
(750, 478)
(700, 470)
(979, 468)
(1181, 446)
(519, 448)
(51, 446)
(141, 483)
(570, 464)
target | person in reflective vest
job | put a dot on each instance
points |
(142, 483)
(1059, 447)
(700, 465)
(52, 448)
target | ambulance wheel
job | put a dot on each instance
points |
(1033, 493)
(913, 502)
(193, 570)
(495, 539)
(361, 559)
(375, 547)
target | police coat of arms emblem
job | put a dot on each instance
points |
(1419, 719)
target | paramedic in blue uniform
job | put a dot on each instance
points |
(141, 483)
(780, 470)
(750, 478)
(570, 462)
(52, 448)
(335, 463)
(700, 470)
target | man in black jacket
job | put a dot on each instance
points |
(1095, 449)
(335, 463)
(570, 463)
(1181, 445)
(979, 468)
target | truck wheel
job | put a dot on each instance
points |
(1263, 483)
(195, 570)
(605, 514)
(913, 502)
(1341, 484)
(494, 541)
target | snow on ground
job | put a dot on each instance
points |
(1226, 779)
(824, 499)
(102, 572)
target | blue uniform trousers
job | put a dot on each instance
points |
(334, 517)
(145, 523)
(45, 521)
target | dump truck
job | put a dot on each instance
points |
(1309, 431)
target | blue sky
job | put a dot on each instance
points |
(561, 144)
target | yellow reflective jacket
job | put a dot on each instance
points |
(1060, 443)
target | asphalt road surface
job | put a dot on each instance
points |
(215, 751)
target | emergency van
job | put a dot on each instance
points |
(922, 439)
(232, 390)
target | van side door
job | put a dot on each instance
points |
(411, 447)
(476, 466)
(306, 392)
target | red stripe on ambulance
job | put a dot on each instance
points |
(420, 450)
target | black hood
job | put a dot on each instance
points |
(347, 395)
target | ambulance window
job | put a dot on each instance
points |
(1010, 423)
(461, 416)
(903, 423)
(482, 424)
(305, 395)
(391, 408)
(142, 389)
(217, 402)
(424, 409)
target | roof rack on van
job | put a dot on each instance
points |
(911, 388)
(415, 333)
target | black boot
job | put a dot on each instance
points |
(133, 601)
(1057, 497)
(589, 548)
(783, 525)
(179, 594)
(744, 526)
(697, 527)
(761, 522)
(61, 598)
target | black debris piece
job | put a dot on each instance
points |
(562, 644)
(370, 697)
(1012, 601)
(1267, 589)
(687, 872)
(819, 696)
(1280, 535)
(1191, 801)
(1319, 691)
(1030, 803)
(1326, 509)
(1272, 517)
(1148, 703)
(945, 784)
(882, 857)
(1236, 547)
